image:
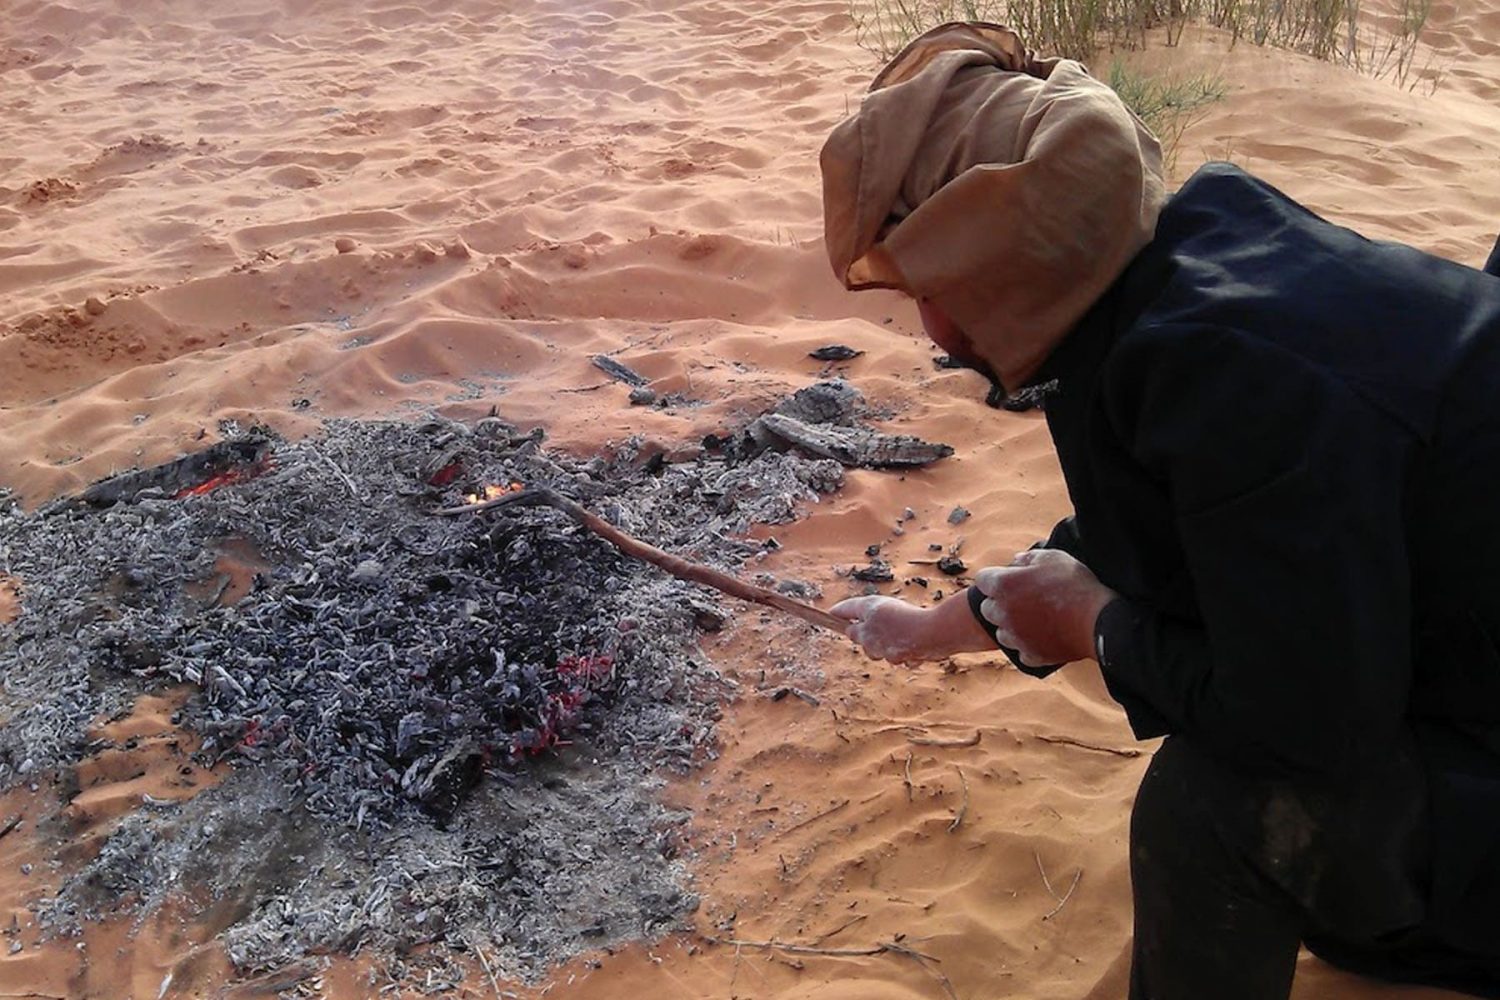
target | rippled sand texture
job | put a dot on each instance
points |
(281, 212)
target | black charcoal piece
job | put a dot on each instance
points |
(951, 565)
(834, 352)
(876, 572)
(617, 371)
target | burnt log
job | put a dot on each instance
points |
(618, 371)
(860, 447)
(245, 456)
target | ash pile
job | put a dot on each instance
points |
(397, 688)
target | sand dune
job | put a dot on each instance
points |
(287, 211)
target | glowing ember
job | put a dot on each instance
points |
(234, 474)
(492, 491)
(447, 474)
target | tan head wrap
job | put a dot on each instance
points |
(1011, 192)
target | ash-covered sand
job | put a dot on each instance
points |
(445, 727)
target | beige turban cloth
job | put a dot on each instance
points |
(1010, 192)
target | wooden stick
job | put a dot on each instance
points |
(533, 496)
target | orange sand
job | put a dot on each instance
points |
(302, 210)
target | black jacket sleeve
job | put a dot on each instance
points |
(1286, 489)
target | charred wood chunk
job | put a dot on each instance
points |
(1031, 397)
(878, 571)
(707, 617)
(799, 588)
(951, 565)
(855, 446)
(440, 783)
(832, 402)
(244, 456)
(618, 371)
(834, 352)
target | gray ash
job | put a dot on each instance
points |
(397, 683)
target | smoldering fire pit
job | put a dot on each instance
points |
(397, 679)
(397, 685)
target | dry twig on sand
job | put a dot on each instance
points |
(963, 807)
(1061, 900)
(891, 947)
(814, 818)
(840, 928)
(1068, 741)
(934, 741)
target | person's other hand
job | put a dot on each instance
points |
(888, 629)
(1043, 605)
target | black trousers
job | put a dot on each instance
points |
(1230, 874)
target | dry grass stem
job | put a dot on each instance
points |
(488, 970)
(1047, 883)
(840, 928)
(933, 741)
(963, 807)
(1068, 741)
(892, 947)
(1066, 896)
(813, 819)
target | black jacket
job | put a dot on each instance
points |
(1282, 444)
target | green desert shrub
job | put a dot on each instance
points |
(1382, 42)
(1167, 103)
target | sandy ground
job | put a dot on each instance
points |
(280, 212)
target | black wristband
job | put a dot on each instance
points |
(976, 598)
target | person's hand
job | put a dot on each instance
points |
(888, 629)
(1044, 605)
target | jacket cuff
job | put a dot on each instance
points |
(1120, 650)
